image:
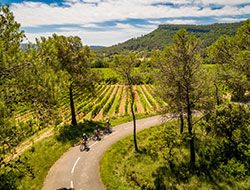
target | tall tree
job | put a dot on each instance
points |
(232, 56)
(10, 49)
(181, 80)
(26, 81)
(23, 83)
(125, 66)
(68, 55)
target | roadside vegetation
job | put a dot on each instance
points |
(163, 163)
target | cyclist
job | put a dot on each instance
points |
(108, 127)
(84, 140)
(97, 132)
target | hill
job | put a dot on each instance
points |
(163, 36)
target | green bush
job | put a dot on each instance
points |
(229, 126)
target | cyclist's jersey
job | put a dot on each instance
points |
(85, 137)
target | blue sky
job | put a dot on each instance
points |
(108, 22)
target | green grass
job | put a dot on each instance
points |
(109, 76)
(209, 66)
(41, 157)
(120, 163)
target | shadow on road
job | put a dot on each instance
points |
(64, 188)
(73, 133)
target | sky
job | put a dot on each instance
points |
(109, 22)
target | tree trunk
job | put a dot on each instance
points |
(73, 114)
(190, 128)
(217, 94)
(133, 114)
(182, 123)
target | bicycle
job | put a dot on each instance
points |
(94, 137)
(83, 146)
(107, 131)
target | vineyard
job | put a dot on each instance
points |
(109, 101)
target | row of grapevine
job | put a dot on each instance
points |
(148, 98)
(156, 97)
(142, 99)
(109, 104)
(115, 107)
(99, 106)
(126, 103)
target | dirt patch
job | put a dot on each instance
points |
(227, 96)
(123, 100)
(140, 108)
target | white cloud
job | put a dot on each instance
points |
(90, 26)
(68, 29)
(123, 26)
(155, 22)
(179, 21)
(92, 1)
(33, 14)
(231, 19)
(224, 2)
(152, 25)
(107, 37)
(87, 13)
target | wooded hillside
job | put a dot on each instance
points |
(163, 36)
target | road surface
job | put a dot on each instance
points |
(80, 170)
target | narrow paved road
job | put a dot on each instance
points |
(80, 170)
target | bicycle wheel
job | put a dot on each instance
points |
(82, 147)
(93, 138)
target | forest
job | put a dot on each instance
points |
(198, 75)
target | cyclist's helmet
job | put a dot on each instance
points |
(83, 134)
(107, 121)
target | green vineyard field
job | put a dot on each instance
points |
(108, 101)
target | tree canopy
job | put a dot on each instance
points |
(232, 54)
(181, 80)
